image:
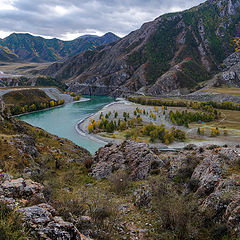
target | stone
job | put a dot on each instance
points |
(41, 218)
(138, 158)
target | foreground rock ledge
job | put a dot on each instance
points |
(41, 218)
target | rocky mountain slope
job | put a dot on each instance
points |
(175, 51)
(25, 47)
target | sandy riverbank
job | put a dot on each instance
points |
(82, 126)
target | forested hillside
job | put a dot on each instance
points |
(25, 47)
(175, 51)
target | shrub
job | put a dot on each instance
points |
(69, 207)
(105, 216)
(201, 149)
(179, 135)
(177, 216)
(183, 174)
(119, 182)
(88, 163)
(11, 225)
(193, 185)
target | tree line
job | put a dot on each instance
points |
(36, 106)
(206, 106)
(185, 117)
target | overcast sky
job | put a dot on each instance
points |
(68, 19)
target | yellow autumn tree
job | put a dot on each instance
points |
(52, 104)
(90, 127)
(236, 41)
(94, 125)
(156, 109)
(76, 98)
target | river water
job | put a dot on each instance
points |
(62, 121)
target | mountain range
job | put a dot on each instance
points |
(175, 51)
(26, 47)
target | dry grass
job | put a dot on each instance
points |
(230, 120)
(26, 96)
(20, 68)
(229, 91)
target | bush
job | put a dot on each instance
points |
(11, 225)
(193, 185)
(105, 216)
(183, 174)
(88, 163)
(67, 208)
(119, 182)
(177, 216)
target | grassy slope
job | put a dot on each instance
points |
(70, 181)
(229, 91)
(26, 96)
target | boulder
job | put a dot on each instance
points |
(41, 218)
(136, 158)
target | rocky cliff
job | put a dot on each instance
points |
(175, 51)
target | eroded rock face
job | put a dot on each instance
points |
(135, 158)
(41, 218)
(20, 188)
(212, 169)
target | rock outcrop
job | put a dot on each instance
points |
(135, 158)
(41, 218)
(214, 179)
(211, 174)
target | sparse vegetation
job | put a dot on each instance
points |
(11, 227)
(206, 106)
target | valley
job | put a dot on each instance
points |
(132, 138)
(13, 69)
(62, 121)
(137, 117)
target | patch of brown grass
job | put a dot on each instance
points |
(26, 96)
(229, 91)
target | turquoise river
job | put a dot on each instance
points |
(61, 121)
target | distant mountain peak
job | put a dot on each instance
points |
(110, 34)
(27, 47)
(88, 35)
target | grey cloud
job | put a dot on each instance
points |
(120, 17)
